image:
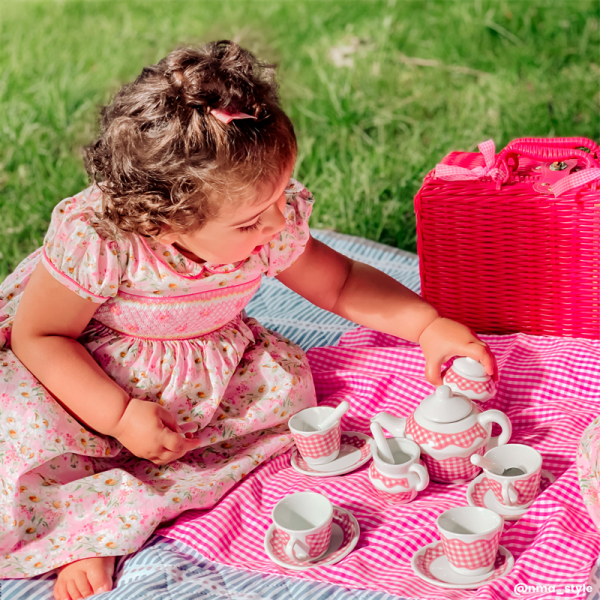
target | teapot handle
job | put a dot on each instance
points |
(495, 416)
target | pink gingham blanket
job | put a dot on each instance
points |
(550, 389)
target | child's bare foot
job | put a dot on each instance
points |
(84, 578)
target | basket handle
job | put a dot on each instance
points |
(542, 153)
(568, 142)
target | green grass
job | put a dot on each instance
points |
(368, 132)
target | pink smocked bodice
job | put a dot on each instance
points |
(176, 317)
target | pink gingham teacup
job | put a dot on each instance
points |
(317, 447)
(517, 491)
(470, 538)
(303, 521)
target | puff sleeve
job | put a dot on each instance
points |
(290, 244)
(77, 255)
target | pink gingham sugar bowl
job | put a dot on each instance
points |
(468, 377)
(448, 428)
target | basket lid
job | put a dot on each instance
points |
(443, 406)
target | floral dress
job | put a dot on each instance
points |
(588, 469)
(167, 330)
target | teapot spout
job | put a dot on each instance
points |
(395, 425)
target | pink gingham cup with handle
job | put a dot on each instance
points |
(303, 521)
(470, 538)
(517, 491)
(316, 446)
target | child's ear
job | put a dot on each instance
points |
(166, 237)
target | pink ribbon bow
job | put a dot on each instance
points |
(454, 173)
(488, 149)
(226, 116)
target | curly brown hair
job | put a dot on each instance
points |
(163, 163)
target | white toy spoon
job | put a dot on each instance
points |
(336, 415)
(381, 442)
(486, 463)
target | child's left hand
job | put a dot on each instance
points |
(443, 338)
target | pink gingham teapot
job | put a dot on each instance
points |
(449, 428)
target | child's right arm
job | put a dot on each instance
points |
(48, 321)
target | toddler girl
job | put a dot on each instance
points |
(132, 384)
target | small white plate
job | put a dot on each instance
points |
(431, 565)
(490, 501)
(355, 451)
(344, 537)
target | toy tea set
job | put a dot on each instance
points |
(446, 439)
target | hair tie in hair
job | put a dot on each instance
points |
(226, 117)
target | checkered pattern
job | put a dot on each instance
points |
(439, 441)
(350, 440)
(387, 481)
(481, 488)
(400, 498)
(575, 180)
(318, 542)
(527, 489)
(549, 387)
(347, 526)
(470, 555)
(279, 539)
(478, 387)
(357, 442)
(425, 560)
(283, 536)
(455, 173)
(278, 542)
(452, 469)
(317, 445)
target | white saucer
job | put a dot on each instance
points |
(431, 565)
(344, 537)
(355, 451)
(490, 501)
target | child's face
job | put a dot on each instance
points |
(235, 235)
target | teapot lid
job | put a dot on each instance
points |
(468, 367)
(443, 406)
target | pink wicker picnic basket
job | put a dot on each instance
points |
(511, 242)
